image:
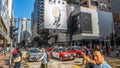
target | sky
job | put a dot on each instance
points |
(23, 8)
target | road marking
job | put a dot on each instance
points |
(71, 64)
(25, 63)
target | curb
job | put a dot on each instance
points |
(24, 62)
(77, 67)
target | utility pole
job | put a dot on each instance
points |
(13, 33)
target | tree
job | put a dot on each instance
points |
(44, 36)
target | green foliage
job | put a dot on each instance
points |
(43, 38)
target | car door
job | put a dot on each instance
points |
(57, 53)
(53, 53)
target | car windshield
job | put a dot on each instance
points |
(34, 50)
(77, 48)
(62, 49)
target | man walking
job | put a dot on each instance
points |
(99, 60)
(86, 52)
(44, 59)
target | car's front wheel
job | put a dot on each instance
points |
(27, 57)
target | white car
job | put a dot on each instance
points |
(33, 54)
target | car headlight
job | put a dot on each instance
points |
(74, 54)
(65, 55)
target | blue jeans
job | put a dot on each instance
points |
(17, 64)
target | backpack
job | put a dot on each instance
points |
(48, 57)
(15, 51)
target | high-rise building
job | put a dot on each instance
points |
(96, 4)
(24, 30)
(90, 22)
(6, 11)
(49, 14)
(115, 9)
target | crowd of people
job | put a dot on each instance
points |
(91, 59)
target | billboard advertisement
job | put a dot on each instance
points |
(55, 14)
(82, 23)
(86, 22)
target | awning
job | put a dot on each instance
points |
(2, 34)
(9, 41)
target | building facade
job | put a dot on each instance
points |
(89, 23)
(103, 5)
(115, 9)
(6, 12)
(24, 30)
(49, 14)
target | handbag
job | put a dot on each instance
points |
(17, 59)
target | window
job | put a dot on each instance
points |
(54, 1)
(63, 3)
(41, 13)
(95, 3)
(42, 9)
(38, 11)
(58, 1)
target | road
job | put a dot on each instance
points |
(54, 63)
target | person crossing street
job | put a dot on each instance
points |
(44, 59)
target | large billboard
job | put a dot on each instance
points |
(82, 23)
(86, 22)
(55, 14)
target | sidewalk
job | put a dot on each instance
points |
(4, 60)
(113, 60)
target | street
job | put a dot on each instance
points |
(55, 63)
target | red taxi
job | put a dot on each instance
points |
(77, 50)
(62, 54)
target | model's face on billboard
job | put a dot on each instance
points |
(56, 12)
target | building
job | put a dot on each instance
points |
(89, 23)
(24, 30)
(115, 9)
(103, 5)
(49, 14)
(6, 12)
(33, 26)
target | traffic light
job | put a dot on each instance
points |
(13, 32)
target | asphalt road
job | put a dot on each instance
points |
(53, 63)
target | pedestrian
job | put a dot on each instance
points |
(44, 59)
(98, 60)
(4, 50)
(17, 59)
(86, 51)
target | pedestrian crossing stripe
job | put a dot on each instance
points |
(76, 67)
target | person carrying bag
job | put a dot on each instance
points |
(17, 61)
